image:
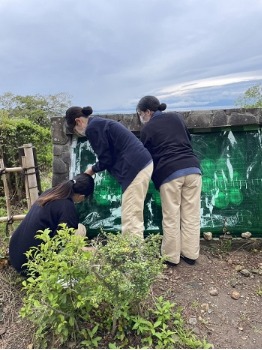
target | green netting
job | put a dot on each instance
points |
(231, 190)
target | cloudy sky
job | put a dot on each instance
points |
(192, 54)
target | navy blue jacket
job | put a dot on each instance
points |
(39, 218)
(169, 142)
(118, 150)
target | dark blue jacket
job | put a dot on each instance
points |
(39, 218)
(118, 150)
(169, 142)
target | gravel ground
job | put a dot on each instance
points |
(221, 297)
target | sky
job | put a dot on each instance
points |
(191, 54)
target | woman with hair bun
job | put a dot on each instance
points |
(177, 176)
(123, 155)
(54, 207)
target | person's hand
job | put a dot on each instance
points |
(81, 230)
(89, 171)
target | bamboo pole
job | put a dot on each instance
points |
(14, 218)
(30, 173)
(11, 170)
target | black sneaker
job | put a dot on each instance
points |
(188, 261)
(169, 263)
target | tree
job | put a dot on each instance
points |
(37, 108)
(252, 97)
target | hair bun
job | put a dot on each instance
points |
(87, 110)
(162, 107)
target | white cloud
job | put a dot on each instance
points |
(111, 53)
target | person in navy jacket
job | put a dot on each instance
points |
(123, 155)
(178, 177)
(54, 207)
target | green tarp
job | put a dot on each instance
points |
(231, 199)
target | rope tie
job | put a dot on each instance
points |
(10, 221)
(2, 171)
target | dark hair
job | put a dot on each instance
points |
(151, 103)
(75, 112)
(82, 184)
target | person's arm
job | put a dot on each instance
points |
(100, 144)
(145, 139)
(68, 214)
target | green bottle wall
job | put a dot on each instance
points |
(231, 164)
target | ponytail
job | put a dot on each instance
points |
(81, 184)
(61, 191)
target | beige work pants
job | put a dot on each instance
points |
(180, 200)
(133, 199)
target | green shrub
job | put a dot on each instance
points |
(99, 298)
(69, 288)
(57, 290)
(16, 132)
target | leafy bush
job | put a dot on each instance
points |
(99, 298)
(16, 132)
(57, 290)
(13, 134)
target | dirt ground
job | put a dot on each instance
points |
(221, 296)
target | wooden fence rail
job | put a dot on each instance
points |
(29, 169)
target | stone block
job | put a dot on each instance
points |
(242, 119)
(200, 119)
(220, 118)
(59, 166)
(58, 131)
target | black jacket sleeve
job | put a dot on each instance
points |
(99, 141)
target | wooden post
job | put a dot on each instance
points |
(30, 173)
(7, 193)
(26, 184)
(31, 188)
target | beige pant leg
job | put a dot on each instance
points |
(133, 199)
(180, 199)
(170, 194)
(190, 216)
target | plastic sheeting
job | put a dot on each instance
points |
(231, 199)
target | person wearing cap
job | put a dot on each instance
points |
(54, 207)
(177, 176)
(123, 155)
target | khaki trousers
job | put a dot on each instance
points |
(133, 199)
(180, 200)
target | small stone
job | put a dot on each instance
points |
(233, 283)
(235, 295)
(213, 291)
(196, 330)
(239, 268)
(207, 236)
(192, 320)
(205, 307)
(246, 234)
(245, 273)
